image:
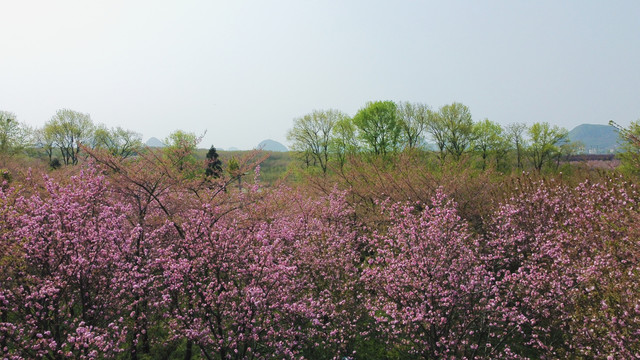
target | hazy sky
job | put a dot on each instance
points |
(243, 70)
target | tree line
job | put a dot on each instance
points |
(325, 139)
(383, 128)
(61, 137)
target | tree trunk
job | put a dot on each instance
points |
(189, 352)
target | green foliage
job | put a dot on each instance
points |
(275, 167)
(325, 138)
(437, 128)
(545, 141)
(413, 119)
(515, 136)
(14, 136)
(117, 141)
(458, 128)
(311, 136)
(234, 170)
(489, 141)
(233, 166)
(66, 130)
(180, 150)
(378, 127)
(630, 146)
(343, 140)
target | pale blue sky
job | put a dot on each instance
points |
(242, 70)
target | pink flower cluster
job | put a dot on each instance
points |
(96, 269)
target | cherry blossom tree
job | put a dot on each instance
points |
(568, 258)
(60, 294)
(430, 292)
(265, 280)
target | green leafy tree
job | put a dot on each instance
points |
(311, 136)
(515, 135)
(630, 147)
(117, 141)
(378, 126)
(66, 130)
(437, 128)
(181, 148)
(45, 140)
(458, 125)
(545, 141)
(413, 119)
(488, 140)
(235, 171)
(343, 140)
(14, 136)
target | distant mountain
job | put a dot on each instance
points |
(597, 139)
(233, 149)
(154, 142)
(271, 145)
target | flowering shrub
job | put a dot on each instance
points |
(130, 263)
(59, 295)
(430, 290)
(245, 287)
(568, 259)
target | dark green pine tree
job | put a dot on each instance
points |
(214, 165)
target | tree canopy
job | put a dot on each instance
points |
(488, 140)
(544, 143)
(311, 136)
(630, 144)
(181, 147)
(117, 141)
(378, 126)
(14, 136)
(66, 130)
(458, 128)
(413, 119)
